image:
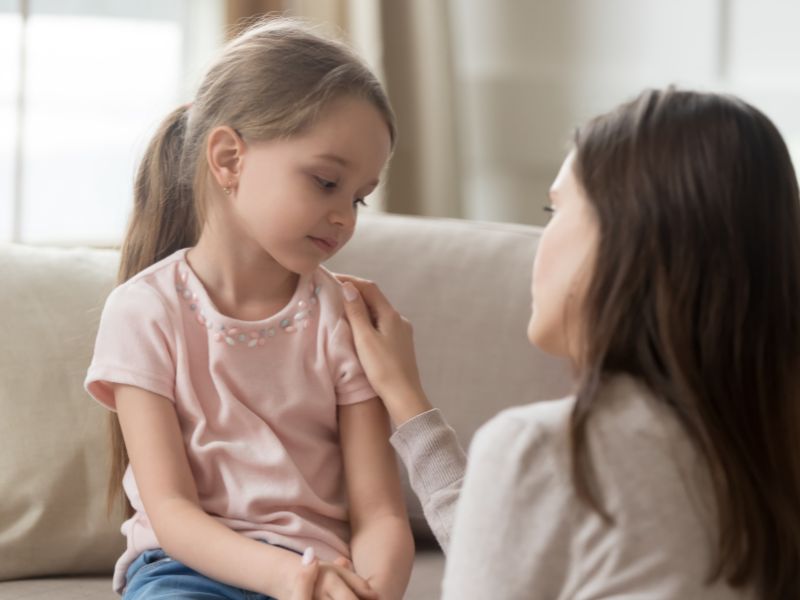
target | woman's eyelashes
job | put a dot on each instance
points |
(329, 185)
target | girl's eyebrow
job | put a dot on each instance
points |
(344, 163)
(334, 158)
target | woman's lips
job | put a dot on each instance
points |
(327, 245)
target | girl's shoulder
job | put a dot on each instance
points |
(165, 273)
(328, 293)
(148, 293)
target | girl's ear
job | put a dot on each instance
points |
(224, 152)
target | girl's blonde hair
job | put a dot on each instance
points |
(271, 81)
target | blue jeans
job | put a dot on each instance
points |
(154, 575)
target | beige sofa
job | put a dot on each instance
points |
(465, 286)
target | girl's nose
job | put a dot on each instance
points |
(344, 215)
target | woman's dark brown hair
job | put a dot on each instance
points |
(696, 292)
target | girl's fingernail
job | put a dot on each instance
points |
(308, 556)
(350, 291)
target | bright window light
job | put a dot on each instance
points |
(98, 77)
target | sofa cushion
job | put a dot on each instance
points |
(52, 437)
(465, 286)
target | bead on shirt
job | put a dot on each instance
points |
(251, 337)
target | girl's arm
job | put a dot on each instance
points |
(187, 533)
(426, 444)
(382, 547)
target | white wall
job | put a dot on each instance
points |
(528, 72)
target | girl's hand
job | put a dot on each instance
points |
(329, 581)
(336, 582)
(306, 580)
(384, 341)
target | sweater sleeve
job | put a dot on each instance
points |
(435, 462)
(512, 530)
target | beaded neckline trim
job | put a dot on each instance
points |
(251, 337)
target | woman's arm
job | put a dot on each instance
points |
(163, 476)
(382, 547)
(513, 531)
(435, 462)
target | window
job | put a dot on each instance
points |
(89, 82)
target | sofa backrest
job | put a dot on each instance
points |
(465, 286)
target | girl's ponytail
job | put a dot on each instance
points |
(164, 215)
(164, 220)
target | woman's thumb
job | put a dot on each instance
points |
(354, 306)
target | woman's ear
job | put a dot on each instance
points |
(224, 151)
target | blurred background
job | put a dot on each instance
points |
(487, 92)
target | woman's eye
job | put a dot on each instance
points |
(549, 208)
(325, 184)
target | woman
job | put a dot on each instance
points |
(669, 275)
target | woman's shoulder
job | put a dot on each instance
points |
(539, 429)
(626, 415)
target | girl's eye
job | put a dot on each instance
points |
(325, 184)
(359, 202)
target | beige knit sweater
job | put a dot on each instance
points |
(519, 531)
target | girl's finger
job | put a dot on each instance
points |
(344, 563)
(358, 585)
(306, 581)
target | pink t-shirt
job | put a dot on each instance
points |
(256, 401)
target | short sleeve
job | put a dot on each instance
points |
(349, 380)
(134, 345)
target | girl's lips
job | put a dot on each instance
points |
(324, 244)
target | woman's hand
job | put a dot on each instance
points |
(329, 581)
(384, 341)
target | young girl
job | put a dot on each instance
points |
(669, 275)
(251, 430)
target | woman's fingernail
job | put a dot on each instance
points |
(350, 291)
(308, 556)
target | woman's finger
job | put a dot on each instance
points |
(357, 312)
(377, 303)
